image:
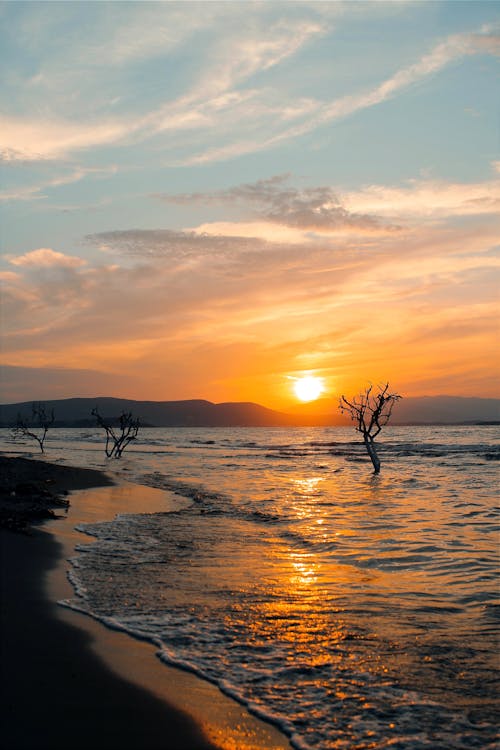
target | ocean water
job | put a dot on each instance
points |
(355, 611)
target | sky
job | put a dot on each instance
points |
(215, 199)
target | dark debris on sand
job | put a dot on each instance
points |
(31, 491)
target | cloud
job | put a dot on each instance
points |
(145, 31)
(453, 48)
(151, 243)
(214, 101)
(314, 230)
(256, 50)
(25, 139)
(272, 235)
(427, 198)
(9, 276)
(312, 209)
(264, 310)
(221, 269)
(10, 155)
(45, 257)
(27, 193)
(225, 95)
(236, 52)
(171, 301)
(486, 43)
(35, 192)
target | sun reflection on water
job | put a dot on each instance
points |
(305, 570)
(324, 593)
(308, 485)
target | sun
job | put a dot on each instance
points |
(308, 388)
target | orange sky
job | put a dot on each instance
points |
(417, 308)
(294, 201)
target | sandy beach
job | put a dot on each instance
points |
(68, 680)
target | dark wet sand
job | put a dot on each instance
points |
(55, 692)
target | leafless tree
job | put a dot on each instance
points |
(116, 442)
(370, 411)
(38, 426)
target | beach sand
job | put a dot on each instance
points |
(68, 681)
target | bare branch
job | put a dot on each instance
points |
(117, 442)
(370, 412)
(36, 428)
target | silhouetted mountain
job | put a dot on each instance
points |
(76, 412)
(192, 413)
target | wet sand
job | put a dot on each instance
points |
(66, 680)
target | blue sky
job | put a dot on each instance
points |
(231, 167)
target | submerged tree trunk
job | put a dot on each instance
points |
(370, 447)
(370, 412)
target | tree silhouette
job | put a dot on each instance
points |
(40, 421)
(117, 442)
(370, 412)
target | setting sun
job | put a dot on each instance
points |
(308, 388)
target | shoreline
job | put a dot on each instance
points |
(67, 678)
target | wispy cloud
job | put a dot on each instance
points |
(455, 47)
(226, 94)
(427, 198)
(146, 31)
(34, 192)
(45, 257)
(27, 139)
(246, 49)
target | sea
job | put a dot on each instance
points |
(352, 610)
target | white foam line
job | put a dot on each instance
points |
(168, 658)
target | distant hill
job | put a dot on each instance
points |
(193, 413)
(420, 410)
(446, 410)
(76, 412)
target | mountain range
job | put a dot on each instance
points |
(76, 412)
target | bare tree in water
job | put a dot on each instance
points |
(36, 427)
(370, 411)
(116, 442)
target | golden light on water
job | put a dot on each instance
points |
(307, 486)
(304, 569)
